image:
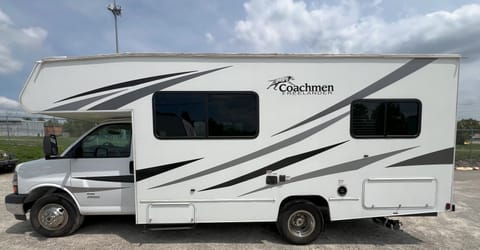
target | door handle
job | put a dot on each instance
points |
(131, 167)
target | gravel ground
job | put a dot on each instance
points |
(457, 230)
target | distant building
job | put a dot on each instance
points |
(15, 126)
(53, 130)
(475, 139)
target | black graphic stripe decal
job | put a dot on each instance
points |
(444, 156)
(274, 166)
(261, 152)
(405, 70)
(149, 172)
(126, 84)
(114, 178)
(340, 168)
(91, 189)
(129, 97)
(78, 104)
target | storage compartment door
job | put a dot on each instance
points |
(399, 193)
(170, 213)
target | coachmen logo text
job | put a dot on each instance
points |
(288, 87)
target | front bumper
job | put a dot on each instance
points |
(14, 204)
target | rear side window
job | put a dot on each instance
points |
(205, 115)
(378, 118)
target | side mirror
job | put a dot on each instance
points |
(50, 146)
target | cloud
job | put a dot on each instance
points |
(9, 107)
(9, 104)
(286, 25)
(12, 108)
(209, 37)
(4, 18)
(17, 41)
(289, 25)
(7, 63)
(358, 27)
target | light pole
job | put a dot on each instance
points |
(116, 11)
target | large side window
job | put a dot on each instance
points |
(378, 118)
(107, 141)
(202, 115)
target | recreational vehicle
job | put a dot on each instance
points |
(295, 139)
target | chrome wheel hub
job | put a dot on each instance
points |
(301, 223)
(53, 216)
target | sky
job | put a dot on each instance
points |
(31, 30)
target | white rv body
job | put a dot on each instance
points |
(224, 179)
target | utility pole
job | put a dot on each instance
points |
(116, 11)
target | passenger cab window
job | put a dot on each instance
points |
(108, 141)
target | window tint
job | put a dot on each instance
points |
(180, 115)
(402, 118)
(368, 118)
(105, 142)
(385, 118)
(232, 115)
(205, 115)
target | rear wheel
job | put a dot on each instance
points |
(55, 215)
(300, 223)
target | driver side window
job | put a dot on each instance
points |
(108, 141)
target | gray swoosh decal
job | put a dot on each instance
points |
(91, 189)
(444, 156)
(153, 171)
(285, 162)
(405, 70)
(340, 168)
(126, 84)
(78, 104)
(129, 97)
(261, 152)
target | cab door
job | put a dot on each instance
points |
(102, 170)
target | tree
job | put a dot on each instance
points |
(77, 127)
(465, 129)
(51, 123)
(468, 124)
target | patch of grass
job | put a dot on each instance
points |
(467, 152)
(27, 148)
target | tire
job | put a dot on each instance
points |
(80, 218)
(300, 223)
(55, 215)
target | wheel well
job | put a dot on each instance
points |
(35, 194)
(318, 200)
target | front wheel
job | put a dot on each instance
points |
(300, 223)
(54, 215)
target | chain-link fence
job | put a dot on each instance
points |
(17, 126)
(14, 126)
(468, 147)
(22, 137)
